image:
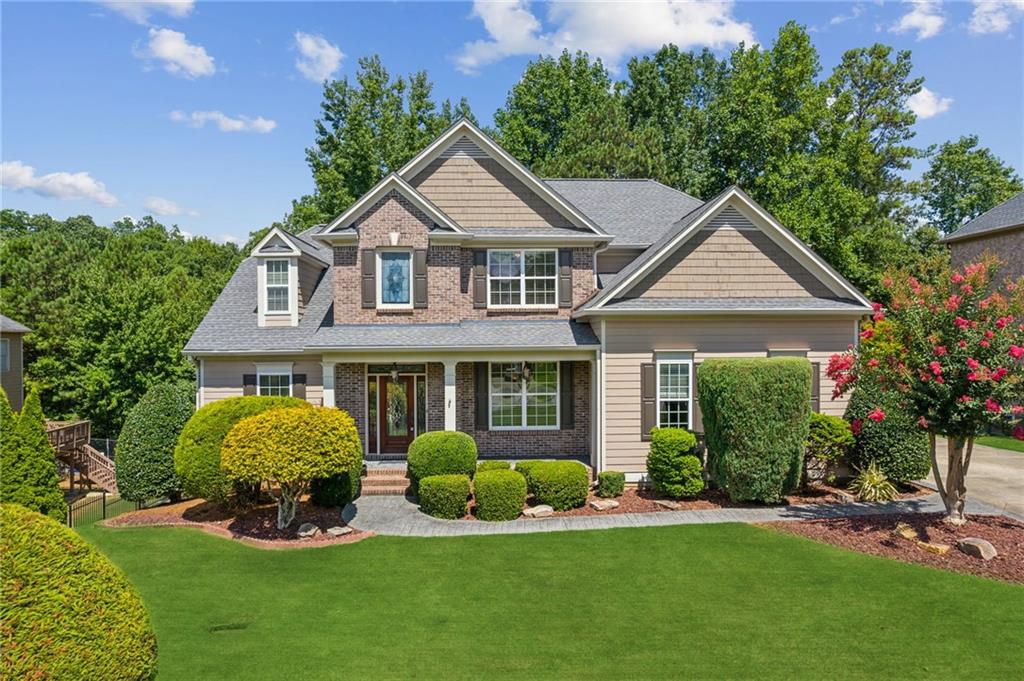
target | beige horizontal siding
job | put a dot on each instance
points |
(12, 380)
(222, 378)
(612, 261)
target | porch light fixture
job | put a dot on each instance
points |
(394, 372)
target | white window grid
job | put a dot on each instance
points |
(522, 278)
(522, 404)
(674, 391)
(274, 384)
(278, 287)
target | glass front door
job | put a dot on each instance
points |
(396, 411)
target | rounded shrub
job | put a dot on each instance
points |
(493, 465)
(67, 611)
(500, 494)
(197, 454)
(145, 447)
(611, 484)
(560, 484)
(441, 452)
(668, 464)
(337, 490)
(444, 496)
(896, 444)
(525, 467)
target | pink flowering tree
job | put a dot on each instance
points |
(953, 352)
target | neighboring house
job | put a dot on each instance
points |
(999, 231)
(543, 317)
(11, 352)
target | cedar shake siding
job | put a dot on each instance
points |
(1007, 245)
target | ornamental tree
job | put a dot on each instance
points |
(953, 351)
(287, 448)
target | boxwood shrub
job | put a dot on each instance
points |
(500, 494)
(336, 490)
(444, 496)
(442, 452)
(670, 463)
(197, 454)
(756, 414)
(525, 467)
(560, 484)
(145, 447)
(493, 465)
(896, 444)
(67, 611)
(610, 483)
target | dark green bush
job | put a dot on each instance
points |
(668, 464)
(828, 438)
(560, 484)
(896, 444)
(197, 455)
(336, 490)
(610, 483)
(500, 494)
(444, 496)
(493, 465)
(756, 414)
(145, 447)
(525, 467)
(67, 611)
(28, 463)
(442, 452)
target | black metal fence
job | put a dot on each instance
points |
(104, 444)
(98, 507)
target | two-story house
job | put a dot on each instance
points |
(546, 318)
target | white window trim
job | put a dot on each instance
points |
(292, 313)
(267, 286)
(278, 369)
(523, 395)
(658, 399)
(522, 279)
(5, 363)
(381, 305)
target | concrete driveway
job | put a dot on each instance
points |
(996, 477)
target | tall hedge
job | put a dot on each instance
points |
(197, 454)
(145, 447)
(67, 611)
(28, 462)
(896, 444)
(756, 414)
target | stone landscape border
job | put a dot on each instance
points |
(266, 544)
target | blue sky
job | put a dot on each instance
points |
(200, 112)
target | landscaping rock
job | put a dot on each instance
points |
(979, 548)
(604, 504)
(308, 530)
(905, 531)
(938, 549)
(338, 531)
(845, 497)
(542, 511)
(665, 503)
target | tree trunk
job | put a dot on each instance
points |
(954, 492)
(286, 506)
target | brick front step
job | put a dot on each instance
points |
(383, 490)
(385, 472)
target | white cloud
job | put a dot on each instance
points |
(926, 19)
(16, 176)
(995, 16)
(224, 123)
(856, 11)
(926, 104)
(319, 59)
(606, 30)
(180, 57)
(160, 206)
(140, 10)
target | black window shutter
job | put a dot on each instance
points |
(816, 387)
(565, 277)
(565, 396)
(481, 386)
(479, 278)
(698, 417)
(299, 386)
(648, 400)
(369, 278)
(248, 384)
(419, 272)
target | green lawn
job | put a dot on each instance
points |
(710, 601)
(1001, 441)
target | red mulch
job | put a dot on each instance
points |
(257, 526)
(874, 535)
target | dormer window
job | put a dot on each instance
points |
(278, 289)
(394, 279)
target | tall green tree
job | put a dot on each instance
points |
(29, 462)
(963, 181)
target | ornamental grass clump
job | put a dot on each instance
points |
(871, 484)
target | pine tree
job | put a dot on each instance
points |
(29, 464)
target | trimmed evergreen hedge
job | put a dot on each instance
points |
(611, 484)
(560, 484)
(444, 496)
(673, 468)
(525, 467)
(441, 452)
(756, 414)
(493, 465)
(28, 463)
(197, 454)
(500, 494)
(337, 490)
(896, 444)
(145, 447)
(67, 611)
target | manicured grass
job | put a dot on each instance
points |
(709, 601)
(1001, 442)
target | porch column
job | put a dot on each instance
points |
(449, 394)
(328, 400)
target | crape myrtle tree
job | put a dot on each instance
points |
(954, 352)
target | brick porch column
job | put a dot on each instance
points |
(449, 394)
(328, 368)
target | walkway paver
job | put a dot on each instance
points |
(397, 516)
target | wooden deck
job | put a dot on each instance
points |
(70, 440)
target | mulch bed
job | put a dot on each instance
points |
(256, 527)
(874, 535)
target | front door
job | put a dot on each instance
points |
(396, 409)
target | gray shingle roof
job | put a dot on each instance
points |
(635, 212)
(549, 333)
(8, 325)
(484, 232)
(735, 304)
(1009, 213)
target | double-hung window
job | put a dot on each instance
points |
(522, 278)
(278, 290)
(274, 384)
(523, 395)
(394, 281)
(5, 354)
(674, 391)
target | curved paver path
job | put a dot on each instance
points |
(397, 516)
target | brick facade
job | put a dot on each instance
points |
(1008, 246)
(350, 394)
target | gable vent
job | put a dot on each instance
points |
(464, 147)
(729, 218)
